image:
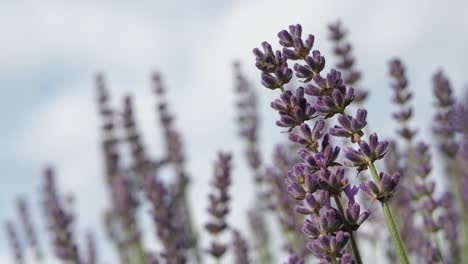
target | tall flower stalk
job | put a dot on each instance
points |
(248, 122)
(332, 97)
(218, 207)
(346, 63)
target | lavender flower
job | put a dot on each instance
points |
(294, 258)
(175, 157)
(168, 227)
(28, 227)
(346, 63)
(59, 222)
(15, 244)
(368, 152)
(329, 246)
(293, 109)
(401, 97)
(351, 127)
(240, 247)
(332, 97)
(444, 102)
(218, 207)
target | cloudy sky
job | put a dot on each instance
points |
(50, 51)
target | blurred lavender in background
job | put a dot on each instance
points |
(51, 52)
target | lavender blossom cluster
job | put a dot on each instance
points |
(318, 193)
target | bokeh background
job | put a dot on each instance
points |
(50, 52)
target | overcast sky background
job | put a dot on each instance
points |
(50, 51)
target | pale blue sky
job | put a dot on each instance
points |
(51, 50)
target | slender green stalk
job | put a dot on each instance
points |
(438, 246)
(461, 203)
(354, 246)
(334, 261)
(390, 221)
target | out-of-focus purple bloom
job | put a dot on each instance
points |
(429, 253)
(459, 117)
(176, 158)
(168, 227)
(422, 159)
(346, 63)
(14, 242)
(442, 128)
(294, 258)
(247, 118)
(218, 202)
(27, 224)
(442, 90)
(59, 221)
(402, 96)
(240, 247)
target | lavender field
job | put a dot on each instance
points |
(234, 132)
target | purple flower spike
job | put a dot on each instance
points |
(334, 104)
(301, 181)
(329, 245)
(367, 153)
(294, 258)
(388, 186)
(293, 109)
(314, 202)
(353, 216)
(334, 183)
(346, 61)
(282, 75)
(267, 61)
(442, 90)
(294, 47)
(326, 86)
(309, 137)
(351, 127)
(314, 65)
(241, 248)
(217, 250)
(401, 97)
(218, 202)
(15, 245)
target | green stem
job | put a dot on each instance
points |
(461, 203)
(354, 246)
(439, 248)
(334, 261)
(389, 218)
(282, 89)
(394, 231)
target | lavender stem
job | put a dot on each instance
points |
(461, 202)
(389, 218)
(334, 261)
